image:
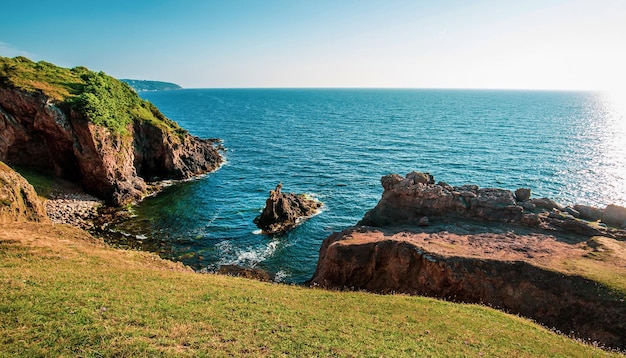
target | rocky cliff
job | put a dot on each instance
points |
(93, 129)
(532, 257)
(18, 200)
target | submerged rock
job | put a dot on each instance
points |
(283, 211)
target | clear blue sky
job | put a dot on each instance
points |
(539, 44)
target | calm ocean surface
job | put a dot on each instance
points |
(336, 144)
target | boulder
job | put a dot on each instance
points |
(547, 204)
(589, 213)
(615, 216)
(522, 194)
(424, 221)
(283, 212)
(418, 177)
(389, 181)
(18, 200)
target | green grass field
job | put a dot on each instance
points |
(65, 293)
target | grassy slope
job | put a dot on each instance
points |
(65, 293)
(606, 265)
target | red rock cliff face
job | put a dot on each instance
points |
(37, 133)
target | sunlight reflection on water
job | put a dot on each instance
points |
(615, 145)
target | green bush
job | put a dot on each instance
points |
(107, 102)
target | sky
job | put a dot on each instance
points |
(530, 44)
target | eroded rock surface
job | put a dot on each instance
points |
(283, 211)
(18, 199)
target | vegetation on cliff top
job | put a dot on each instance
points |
(65, 293)
(103, 99)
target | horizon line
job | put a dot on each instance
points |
(403, 88)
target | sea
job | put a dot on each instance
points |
(336, 144)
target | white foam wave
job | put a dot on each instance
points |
(212, 219)
(248, 256)
(280, 276)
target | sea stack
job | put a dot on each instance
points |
(283, 212)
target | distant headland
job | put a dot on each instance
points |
(145, 85)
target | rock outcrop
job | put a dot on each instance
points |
(407, 200)
(40, 132)
(18, 199)
(283, 211)
(615, 216)
(489, 246)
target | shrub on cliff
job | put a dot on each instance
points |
(103, 99)
(107, 101)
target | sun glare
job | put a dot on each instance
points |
(615, 107)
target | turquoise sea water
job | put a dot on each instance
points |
(336, 144)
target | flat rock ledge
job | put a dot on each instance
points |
(489, 246)
(283, 212)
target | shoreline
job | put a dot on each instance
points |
(77, 209)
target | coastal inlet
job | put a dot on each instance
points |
(335, 145)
